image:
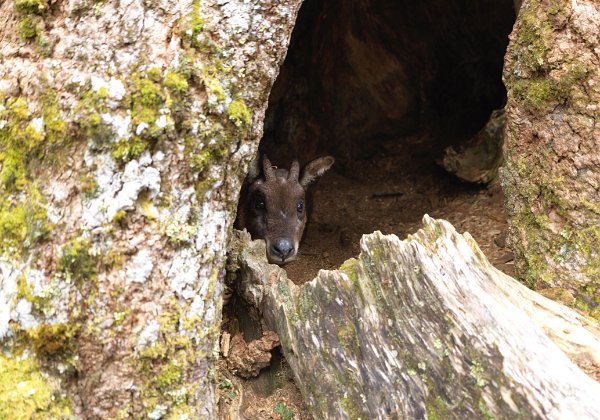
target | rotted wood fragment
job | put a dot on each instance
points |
(247, 359)
(424, 327)
(478, 159)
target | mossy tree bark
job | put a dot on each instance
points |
(424, 327)
(125, 128)
(552, 172)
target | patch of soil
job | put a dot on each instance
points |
(391, 191)
(272, 395)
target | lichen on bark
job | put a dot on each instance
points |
(121, 155)
(551, 176)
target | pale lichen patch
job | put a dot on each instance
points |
(140, 267)
(119, 190)
(148, 336)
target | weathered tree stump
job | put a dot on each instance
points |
(424, 327)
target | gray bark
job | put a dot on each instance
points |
(125, 129)
(424, 327)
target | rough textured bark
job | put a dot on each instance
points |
(552, 172)
(424, 327)
(125, 128)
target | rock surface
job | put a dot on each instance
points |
(424, 327)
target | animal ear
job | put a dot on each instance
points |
(254, 168)
(268, 171)
(315, 169)
(294, 171)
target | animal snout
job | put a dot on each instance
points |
(282, 248)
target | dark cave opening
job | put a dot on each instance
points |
(385, 87)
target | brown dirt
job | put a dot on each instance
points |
(272, 395)
(390, 190)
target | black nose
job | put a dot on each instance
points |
(282, 248)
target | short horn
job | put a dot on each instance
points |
(294, 171)
(268, 171)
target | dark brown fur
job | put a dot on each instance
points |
(273, 207)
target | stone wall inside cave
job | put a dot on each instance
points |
(361, 72)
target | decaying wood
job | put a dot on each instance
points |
(424, 327)
(246, 359)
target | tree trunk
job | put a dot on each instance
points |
(424, 327)
(552, 172)
(125, 128)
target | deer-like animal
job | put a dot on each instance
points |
(273, 205)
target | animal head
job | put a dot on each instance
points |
(273, 207)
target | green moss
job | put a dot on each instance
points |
(76, 263)
(170, 376)
(119, 317)
(154, 74)
(572, 77)
(90, 108)
(477, 373)
(19, 143)
(102, 93)
(40, 304)
(214, 145)
(437, 409)
(534, 93)
(147, 94)
(485, 411)
(196, 24)
(540, 92)
(200, 161)
(178, 231)
(44, 45)
(213, 86)
(238, 114)
(203, 185)
(153, 98)
(53, 339)
(164, 364)
(125, 150)
(531, 40)
(23, 224)
(347, 337)
(306, 304)
(349, 268)
(533, 80)
(31, 6)
(55, 127)
(25, 393)
(119, 217)
(350, 408)
(176, 83)
(28, 27)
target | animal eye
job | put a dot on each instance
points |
(300, 206)
(259, 204)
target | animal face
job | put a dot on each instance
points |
(273, 207)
